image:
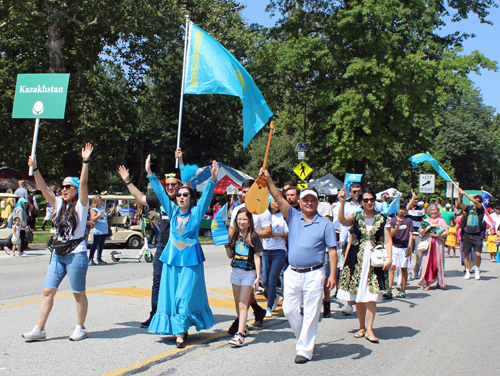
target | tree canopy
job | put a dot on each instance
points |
(368, 83)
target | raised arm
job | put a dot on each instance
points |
(278, 197)
(140, 198)
(84, 175)
(208, 192)
(40, 183)
(345, 220)
(178, 154)
(413, 200)
(474, 202)
(158, 189)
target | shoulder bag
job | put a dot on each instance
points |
(378, 257)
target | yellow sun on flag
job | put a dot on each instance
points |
(215, 225)
(241, 79)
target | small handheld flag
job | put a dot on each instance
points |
(220, 234)
(348, 180)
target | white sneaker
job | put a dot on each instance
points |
(35, 335)
(348, 310)
(238, 340)
(477, 275)
(78, 334)
(275, 304)
(269, 312)
(467, 274)
(7, 250)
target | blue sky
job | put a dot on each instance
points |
(487, 41)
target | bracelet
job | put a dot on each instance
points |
(36, 169)
(86, 161)
(130, 182)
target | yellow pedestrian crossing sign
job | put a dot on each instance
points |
(302, 170)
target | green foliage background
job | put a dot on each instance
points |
(367, 83)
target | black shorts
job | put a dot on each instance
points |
(470, 241)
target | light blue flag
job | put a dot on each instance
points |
(348, 180)
(220, 235)
(426, 157)
(394, 206)
(211, 69)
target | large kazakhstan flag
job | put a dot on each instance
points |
(426, 157)
(211, 69)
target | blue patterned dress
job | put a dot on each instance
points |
(182, 300)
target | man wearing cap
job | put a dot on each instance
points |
(309, 235)
(172, 185)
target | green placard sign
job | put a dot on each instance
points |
(40, 96)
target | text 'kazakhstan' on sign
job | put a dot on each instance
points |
(40, 96)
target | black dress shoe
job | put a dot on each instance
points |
(327, 311)
(259, 317)
(146, 323)
(299, 359)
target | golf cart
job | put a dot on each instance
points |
(123, 231)
(5, 232)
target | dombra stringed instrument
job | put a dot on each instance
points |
(257, 198)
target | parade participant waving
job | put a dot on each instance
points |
(434, 230)
(309, 236)
(360, 281)
(182, 299)
(70, 255)
(244, 250)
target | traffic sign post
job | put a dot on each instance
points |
(427, 183)
(302, 170)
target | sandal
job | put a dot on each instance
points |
(427, 288)
(179, 340)
(245, 332)
(238, 340)
(360, 333)
(401, 295)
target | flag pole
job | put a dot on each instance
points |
(186, 38)
(35, 140)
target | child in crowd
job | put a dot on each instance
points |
(492, 244)
(451, 240)
(244, 251)
(498, 246)
(16, 237)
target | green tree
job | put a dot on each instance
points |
(383, 70)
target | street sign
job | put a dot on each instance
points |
(302, 170)
(427, 183)
(451, 190)
(40, 96)
(301, 184)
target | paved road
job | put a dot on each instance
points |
(446, 332)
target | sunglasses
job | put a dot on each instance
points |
(68, 186)
(356, 191)
(171, 184)
(367, 200)
(185, 194)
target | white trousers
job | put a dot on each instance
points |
(49, 214)
(303, 289)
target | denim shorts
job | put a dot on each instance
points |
(241, 277)
(74, 264)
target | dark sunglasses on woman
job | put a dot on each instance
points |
(367, 200)
(179, 194)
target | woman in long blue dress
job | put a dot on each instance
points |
(183, 300)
